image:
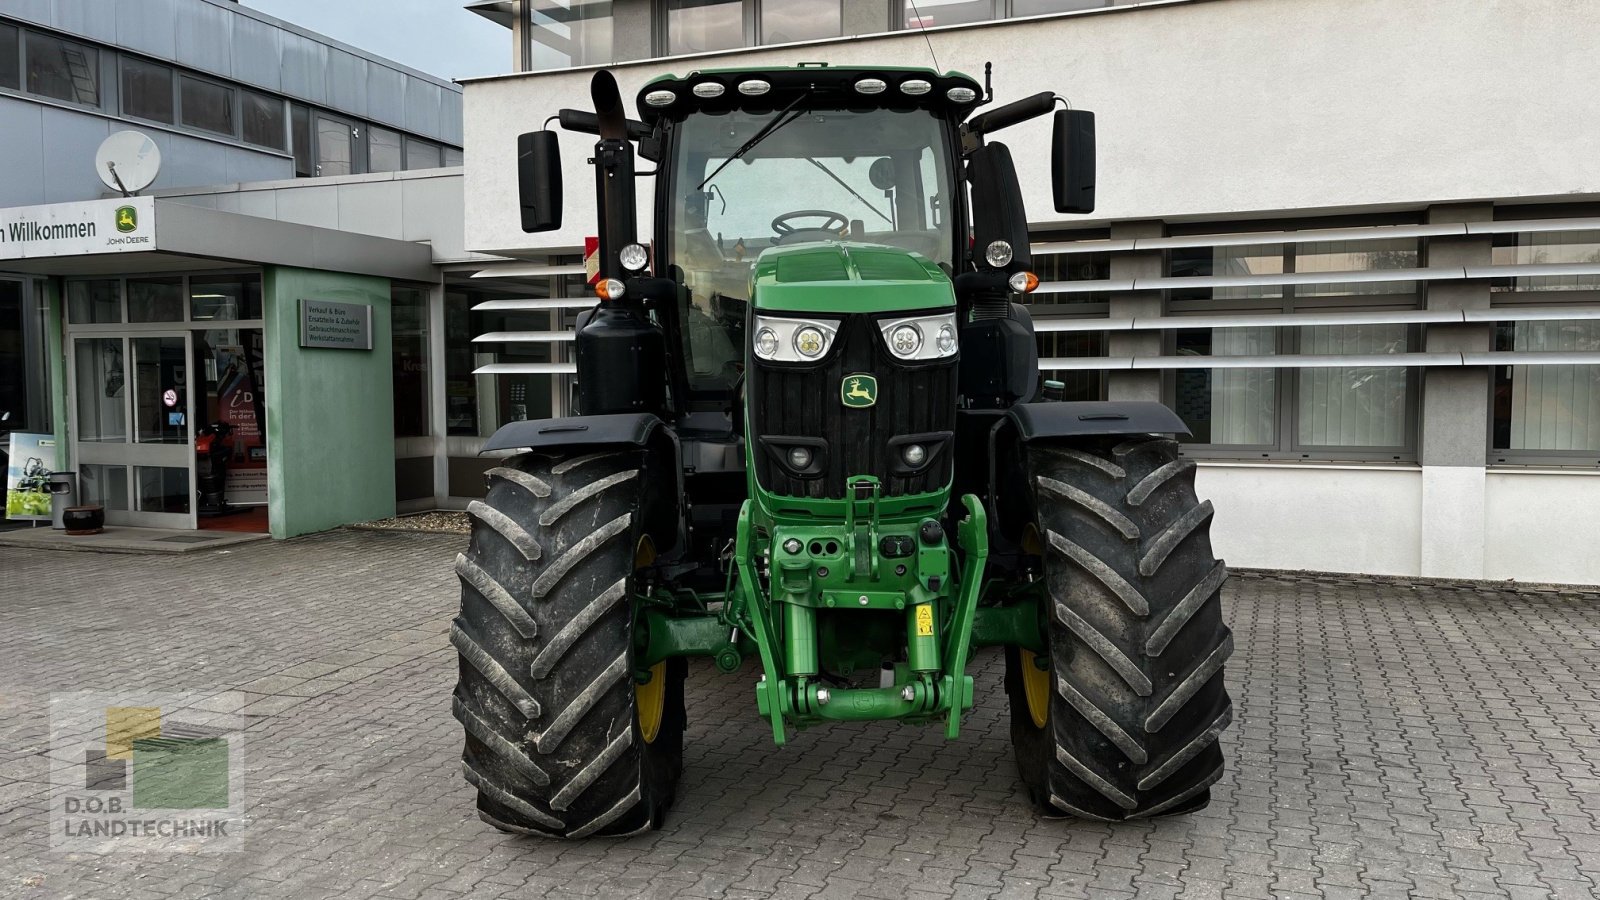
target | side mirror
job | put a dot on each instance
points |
(539, 180)
(1072, 161)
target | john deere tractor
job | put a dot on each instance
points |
(811, 449)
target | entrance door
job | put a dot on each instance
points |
(133, 427)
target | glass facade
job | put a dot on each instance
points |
(566, 33)
(1257, 410)
(62, 70)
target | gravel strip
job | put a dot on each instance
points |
(429, 522)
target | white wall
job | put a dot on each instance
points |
(1543, 526)
(1205, 109)
(1319, 518)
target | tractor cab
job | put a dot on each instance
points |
(873, 153)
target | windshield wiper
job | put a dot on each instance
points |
(829, 172)
(776, 122)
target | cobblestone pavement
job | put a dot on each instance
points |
(1390, 739)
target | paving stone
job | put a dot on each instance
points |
(1391, 738)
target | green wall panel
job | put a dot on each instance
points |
(330, 413)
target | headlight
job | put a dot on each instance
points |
(792, 340)
(766, 343)
(660, 98)
(633, 257)
(909, 338)
(905, 340)
(956, 95)
(997, 254)
(808, 342)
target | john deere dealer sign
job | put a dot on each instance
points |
(336, 326)
(75, 229)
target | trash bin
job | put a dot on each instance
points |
(63, 488)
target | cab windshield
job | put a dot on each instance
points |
(875, 176)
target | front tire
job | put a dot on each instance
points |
(561, 740)
(1121, 719)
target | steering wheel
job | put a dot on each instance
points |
(832, 223)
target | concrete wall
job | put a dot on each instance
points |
(330, 413)
(1314, 517)
(1207, 109)
(1434, 521)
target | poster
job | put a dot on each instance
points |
(239, 403)
(32, 459)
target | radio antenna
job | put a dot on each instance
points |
(922, 27)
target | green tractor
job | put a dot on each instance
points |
(811, 434)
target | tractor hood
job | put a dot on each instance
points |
(845, 277)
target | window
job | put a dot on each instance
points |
(63, 70)
(300, 141)
(1077, 384)
(566, 33)
(1546, 247)
(1058, 267)
(335, 147)
(1040, 7)
(224, 298)
(383, 150)
(10, 57)
(453, 156)
(155, 299)
(146, 90)
(460, 385)
(959, 12)
(421, 154)
(1546, 410)
(263, 120)
(701, 26)
(799, 20)
(94, 302)
(409, 330)
(205, 105)
(928, 13)
(1343, 412)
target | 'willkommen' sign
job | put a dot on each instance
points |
(73, 229)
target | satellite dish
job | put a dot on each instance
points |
(127, 162)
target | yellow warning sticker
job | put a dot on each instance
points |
(924, 620)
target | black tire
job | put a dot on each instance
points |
(1135, 631)
(546, 691)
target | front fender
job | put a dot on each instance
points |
(1097, 417)
(636, 429)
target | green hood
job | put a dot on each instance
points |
(845, 277)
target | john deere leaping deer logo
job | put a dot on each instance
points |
(127, 219)
(859, 391)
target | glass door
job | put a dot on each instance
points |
(133, 427)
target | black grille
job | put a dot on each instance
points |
(803, 401)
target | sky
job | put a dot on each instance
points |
(436, 36)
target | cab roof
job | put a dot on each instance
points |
(823, 85)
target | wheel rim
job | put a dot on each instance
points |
(1036, 687)
(1035, 669)
(650, 698)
